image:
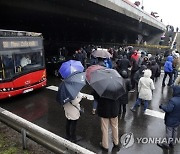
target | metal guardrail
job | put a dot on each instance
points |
(49, 140)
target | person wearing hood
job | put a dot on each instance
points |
(145, 87)
(172, 118)
(168, 70)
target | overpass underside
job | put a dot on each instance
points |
(72, 21)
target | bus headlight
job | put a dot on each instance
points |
(5, 89)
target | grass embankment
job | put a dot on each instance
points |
(11, 143)
(8, 146)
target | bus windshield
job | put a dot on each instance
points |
(18, 62)
(22, 62)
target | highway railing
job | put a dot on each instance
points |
(47, 139)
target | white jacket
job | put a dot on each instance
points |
(145, 86)
(71, 112)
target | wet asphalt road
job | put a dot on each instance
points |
(41, 108)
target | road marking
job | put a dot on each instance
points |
(55, 88)
(149, 112)
(156, 114)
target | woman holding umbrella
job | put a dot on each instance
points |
(69, 96)
(72, 112)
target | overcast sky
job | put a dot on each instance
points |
(168, 10)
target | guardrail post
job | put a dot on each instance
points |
(23, 132)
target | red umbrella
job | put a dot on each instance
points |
(91, 69)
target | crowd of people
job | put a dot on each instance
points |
(140, 70)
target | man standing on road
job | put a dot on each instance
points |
(108, 111)
(172, 118)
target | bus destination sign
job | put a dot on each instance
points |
(19, 44)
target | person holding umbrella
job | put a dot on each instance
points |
(69, 96)
(108, 111)
(108, 86)
(72, 112)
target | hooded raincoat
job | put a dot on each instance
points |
(145, 86)
(168, 67)
(172, 116)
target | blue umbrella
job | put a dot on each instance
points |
(69, 67)
(70, 87)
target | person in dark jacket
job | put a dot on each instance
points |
(123, 100)
(79, 56)
(101, 63)
(168, 70)
(134, 68)
(155, 70)
(108, 111)
(123, 64)
(172, 118)
(139, 73)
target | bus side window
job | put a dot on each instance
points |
(17, 63)
(8, 66)
(2, 73)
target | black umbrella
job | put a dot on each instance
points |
(70, 87)
(107, 83)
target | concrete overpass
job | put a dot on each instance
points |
(111, 21)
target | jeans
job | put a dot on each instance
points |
(171, 134)
(138, 102)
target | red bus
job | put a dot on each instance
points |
(22, 62)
